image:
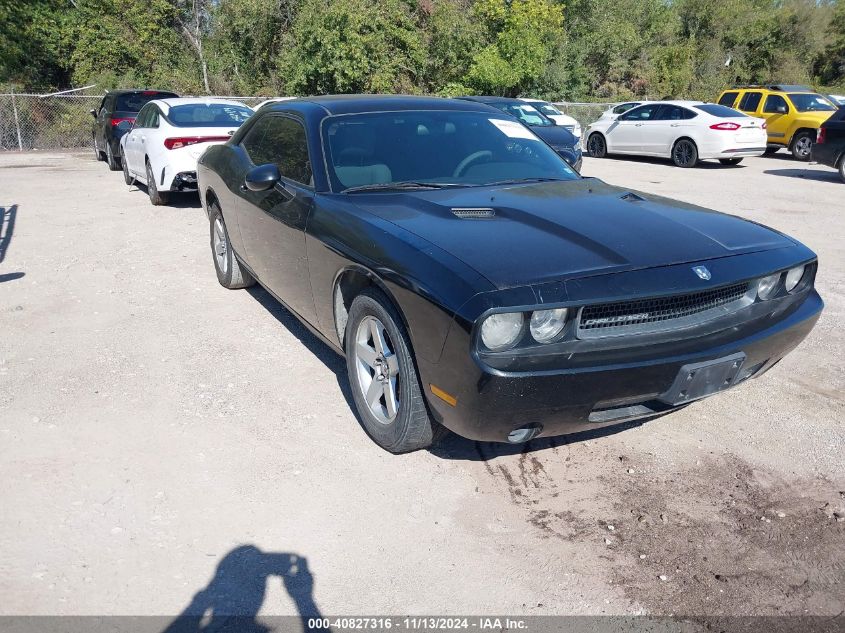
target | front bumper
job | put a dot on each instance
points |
(491, 403)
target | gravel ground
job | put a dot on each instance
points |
(167, 445)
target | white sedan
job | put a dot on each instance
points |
(552, 112)
(169, 135)
(685, 131)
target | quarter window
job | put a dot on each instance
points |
(773, 102)
(750, 101)
(281, 141)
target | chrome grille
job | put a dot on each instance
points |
(660, 313)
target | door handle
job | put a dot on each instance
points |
(637, 124)
(674, 125)
(243, 187)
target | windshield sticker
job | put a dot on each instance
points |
(513, 129)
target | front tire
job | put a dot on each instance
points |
(111, 159)
(229, 271)
(127, 178)
(842, 167)
(730, 161)
(98, 155)
(157, 198)
(771, 150)
(802, 145)
(685, 153)
(383, 377)
(597, 146)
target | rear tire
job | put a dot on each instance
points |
(157, 198)
(229, 271)
(730, 161)
(112, 160)
(597, 146)
(383, 377)
(771, 150)
(802, 145)
(842, 167)
(684, 153)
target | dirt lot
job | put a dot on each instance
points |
(161, 436)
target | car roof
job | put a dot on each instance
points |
(772, 88)
(490, 99)
(353, 104)
(179, 101)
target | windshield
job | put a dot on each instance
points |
(807, 102)
(134, 101)
(548, 109)
(208, 115)
(528, 114)
(435, 148)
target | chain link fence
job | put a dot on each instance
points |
(50, 122)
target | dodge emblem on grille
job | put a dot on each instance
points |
(702, 272)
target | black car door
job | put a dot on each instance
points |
(272, 222)
(103, 121)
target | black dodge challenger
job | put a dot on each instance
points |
(475, 282)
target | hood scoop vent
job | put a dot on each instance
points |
(631, 197)
(473, 213)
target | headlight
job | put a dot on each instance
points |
(501, 331)
(767, 286)
(547, 324)
(793, 278)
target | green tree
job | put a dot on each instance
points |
(350, 46)
(522, 36)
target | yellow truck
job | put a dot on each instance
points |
(793, 114)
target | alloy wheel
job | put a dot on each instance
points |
(803, 146)
(221, 246)
(683, 153)
(377, 369)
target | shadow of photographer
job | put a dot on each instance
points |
(233, 598)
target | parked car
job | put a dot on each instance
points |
(685, 131)
(620, 108)
(559, 138)
(116, 107)
(829, 148)
(169, 135)
(474, 281)
(552, 111)
(838, 100)
(793, 114)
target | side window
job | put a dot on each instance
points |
(152, 117)
(775, 104)
(750, 101)
(673, 113)
(728, 99)
(643, 113)
(280, 140)
(143, 116)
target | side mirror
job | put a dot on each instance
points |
(262, 178)
(124, 126)
(93, 113)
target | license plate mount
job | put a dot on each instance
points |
(699, 380)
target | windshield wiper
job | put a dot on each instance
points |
(405, 185)
(517, 181)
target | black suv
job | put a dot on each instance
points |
(829, 148)
(117, 106)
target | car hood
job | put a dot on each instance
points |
(549, 231)
(555, 135)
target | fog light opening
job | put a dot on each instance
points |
(519, 436)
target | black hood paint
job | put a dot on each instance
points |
(555, 135)
(563, 230)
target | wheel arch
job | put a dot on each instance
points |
(349, 282)
(802, 128)
(209, 198)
